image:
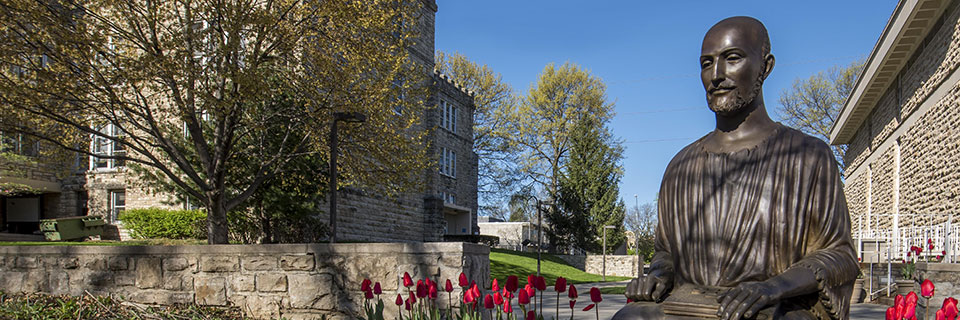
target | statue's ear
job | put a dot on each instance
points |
(768, 63)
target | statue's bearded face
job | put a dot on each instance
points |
(731, 68)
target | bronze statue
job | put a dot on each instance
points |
(753, 221)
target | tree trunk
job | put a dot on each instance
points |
(217, 220)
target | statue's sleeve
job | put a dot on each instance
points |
(829, 249)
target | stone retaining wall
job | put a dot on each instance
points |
(946, 279)
(294, 281)
(617, 265)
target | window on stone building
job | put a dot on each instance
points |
(448, 198)
(448, 116)
(20, 144)
(103, 147)
(448, 162)
(118, 201)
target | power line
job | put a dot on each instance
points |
(662, 110)
(658, 140)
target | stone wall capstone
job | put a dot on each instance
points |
(294, 281)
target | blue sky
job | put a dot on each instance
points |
(647, 53)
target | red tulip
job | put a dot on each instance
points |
(448, 287)
(919, 250)
(523, 298)
(399, 300)
(497, 298)
(891, 314)
(368, 295)
(432, 291)
(512, 283)
(507, 294)
(929, 240)
(507, 307)
(468, 296)
(540, 283)
(406, 305)
(412, 298)
(927, 288)
(560, 285)
(908, 253)
(531, 279)
(530, 290)
(365, 285)
(911, 298)
(940, 315)
(930, 246)
(572, 302)
(376, 289)
(496, 286)
(407, 281)
(488, 301)
(595, 295)
(589, 307)
(531, 315)
(572, 294)
(463, 280)
(944, 252)
(900, 305)
(421, 289)
(950, 308)
(629, 300)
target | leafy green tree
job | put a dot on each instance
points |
(497, 174)
(812, 105)
(189, 88)
(541, 129)
(589, 190)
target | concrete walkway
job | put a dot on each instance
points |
(613, 302)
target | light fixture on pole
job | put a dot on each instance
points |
(605, 251)
(353, 117)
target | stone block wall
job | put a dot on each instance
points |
(617, 265)
(294, 281)
(918, 113)
(946, 279)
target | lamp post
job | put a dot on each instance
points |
(636, 236)
(354, 117)
(605, 251)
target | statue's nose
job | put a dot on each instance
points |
(718, 75)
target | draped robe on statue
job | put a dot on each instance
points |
(752, 214)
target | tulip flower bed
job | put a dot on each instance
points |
(905, 307)
(418, 300)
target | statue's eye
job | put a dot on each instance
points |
(705, 63)
(733, 57)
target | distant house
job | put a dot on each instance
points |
(447, 205)
(902, 127)
(519, 236)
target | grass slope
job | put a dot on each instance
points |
(504, 263)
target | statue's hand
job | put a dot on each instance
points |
(746, 299)
(652, 287)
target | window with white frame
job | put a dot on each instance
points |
(448, 162)
(448, 116)
(448, 197)
(103, 147)
(118, 201)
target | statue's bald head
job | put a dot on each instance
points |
(748, 27)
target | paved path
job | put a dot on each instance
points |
(613, 302)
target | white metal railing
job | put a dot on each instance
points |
(905, 233)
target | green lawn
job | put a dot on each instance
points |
(504, 263)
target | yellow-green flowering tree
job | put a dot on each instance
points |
(189, 88)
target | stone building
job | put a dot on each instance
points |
(518, 236)
(902, 127)
(447, 206)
